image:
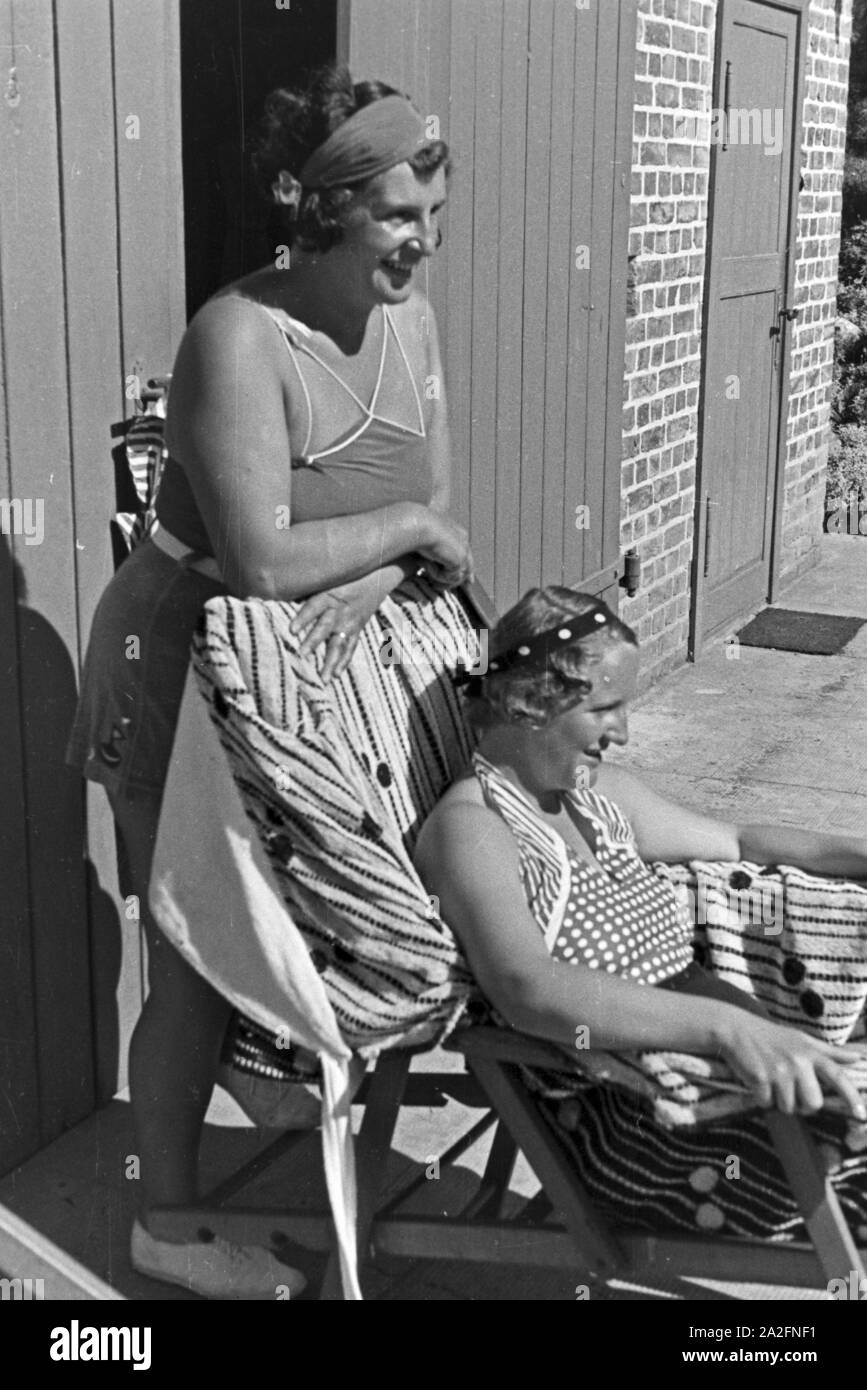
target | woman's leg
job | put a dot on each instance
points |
(174, 1053)
(175, 1048)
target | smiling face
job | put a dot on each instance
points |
(391, 226)
(567, 752)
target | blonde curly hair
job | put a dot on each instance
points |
(533, 695)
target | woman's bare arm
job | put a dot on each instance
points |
(667, 831)
(835, 856)
(227, 427)
(467, 856)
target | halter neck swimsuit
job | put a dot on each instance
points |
(618, 917)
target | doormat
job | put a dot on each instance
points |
(787, 630)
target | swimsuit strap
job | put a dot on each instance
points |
(279, 318)
(368, 409)
(546, 866)
(612, 831)
(369, 412)
(285, 324)
(514, 807)
(606, 818)
(421, 426)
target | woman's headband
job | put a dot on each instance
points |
(533, 654)
(380, 135)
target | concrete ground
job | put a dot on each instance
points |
(763, 736)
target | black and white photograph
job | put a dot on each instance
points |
(433, 616)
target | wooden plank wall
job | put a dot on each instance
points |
(91, 290)
(535, 100)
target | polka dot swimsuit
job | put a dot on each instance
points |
(618, 917)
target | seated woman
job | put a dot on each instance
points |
(539, 856)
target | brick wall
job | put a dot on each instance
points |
(674, 75)
(674, 80)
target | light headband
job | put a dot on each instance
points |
(380, 135)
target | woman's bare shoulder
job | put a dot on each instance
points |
(230, 319)
(461, 809)
(230, 341)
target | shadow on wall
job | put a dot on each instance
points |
(60, 943)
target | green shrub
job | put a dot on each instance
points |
(854, 189)
(847, 464)
(852, 285)
(847, 453)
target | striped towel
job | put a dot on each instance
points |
(337, 779)
(793, 941)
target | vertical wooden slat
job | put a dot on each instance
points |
(602, 290)
(512, 163)
(618, 205)
(96, 400)
(560, 226)
(590, 145)
(428, 85)
(459, 232)
(31, 261)
(151, 265)
(537, 251)
(486, 236)
(149, 182)
(19, 1074)
(601, 298)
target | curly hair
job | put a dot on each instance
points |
(296, 122)
(537, 697)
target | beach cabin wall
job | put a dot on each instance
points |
(534, 97)
(91, 296)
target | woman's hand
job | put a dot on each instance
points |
(337, 616)
(786, 1068)
(445, 546)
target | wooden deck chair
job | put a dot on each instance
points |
(557, 1228)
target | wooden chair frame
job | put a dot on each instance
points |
(559, 1227)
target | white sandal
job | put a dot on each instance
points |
(215, 1269)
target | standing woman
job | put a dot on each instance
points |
(305, 462)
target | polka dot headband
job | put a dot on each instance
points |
(534, 653)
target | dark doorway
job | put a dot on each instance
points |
(748, 306)
(233, 52)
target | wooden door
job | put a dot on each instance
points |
(233, 53)
(755, 136)
(534, 98)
